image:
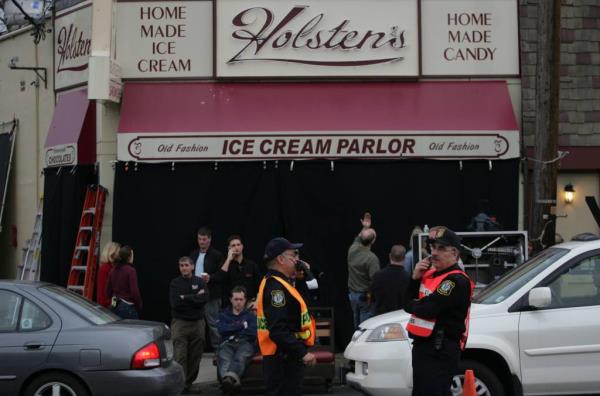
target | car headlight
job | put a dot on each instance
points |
(387, 332)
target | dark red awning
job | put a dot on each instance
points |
(199, 121)
(71, 138)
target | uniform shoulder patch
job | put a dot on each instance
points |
(445, 288)
(277, 298)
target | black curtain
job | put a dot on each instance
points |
(158, 208)
(6, 145)
(64, 193)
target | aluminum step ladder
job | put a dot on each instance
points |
(29, 268)
(84, 264)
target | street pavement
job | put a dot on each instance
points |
(207, 381)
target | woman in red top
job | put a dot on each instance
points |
(107, 262)
(122, 286)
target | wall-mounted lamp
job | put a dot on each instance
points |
(569, 193)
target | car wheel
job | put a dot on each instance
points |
(486, 382)
(55, 384)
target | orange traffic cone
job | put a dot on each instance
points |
(469, 384)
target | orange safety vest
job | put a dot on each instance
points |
(307, 331)
(429, 283)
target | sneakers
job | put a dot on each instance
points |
(230, 383)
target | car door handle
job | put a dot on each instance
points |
(33, 345)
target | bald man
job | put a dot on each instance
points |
(362, 265)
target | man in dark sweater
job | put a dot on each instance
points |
(237, 327)
(239, 270)
(208, 262)
(187, 295)
(388, 287)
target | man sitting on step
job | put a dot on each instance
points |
(237, 327)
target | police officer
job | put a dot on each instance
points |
(285, 328)
(438, 297)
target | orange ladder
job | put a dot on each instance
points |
(82, 276)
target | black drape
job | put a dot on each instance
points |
(6, 145)
(64, 193)
(158, 208)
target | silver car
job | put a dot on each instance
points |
(55, 342)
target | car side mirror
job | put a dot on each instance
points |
(540, 297)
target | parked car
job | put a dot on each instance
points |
(534, 331)
(55, 342)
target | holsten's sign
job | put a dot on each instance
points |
(317, 38)
(72, 44)
(154, 147)
(165, 39)
(469, 37)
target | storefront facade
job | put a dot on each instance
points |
(267, 118)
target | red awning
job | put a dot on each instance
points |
(235, 121)
(71, 138)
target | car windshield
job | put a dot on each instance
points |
(512, 281)
(82, 306)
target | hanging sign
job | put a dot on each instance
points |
(72, 45)
(153, 147)
(282, 38)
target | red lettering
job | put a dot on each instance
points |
(342, 144)
(368, 146)
(354, 147)
(307, 148)
(293, 146)
(263, 146)
(235, 150)
(248, 147)
(409, 145)
(279, 147)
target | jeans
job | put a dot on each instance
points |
(125, 311)
(211, 314)
(361, 310)
(188, 344)
(233, 356)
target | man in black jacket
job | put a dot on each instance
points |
(187, 295)
(388, 286)
(208, 262)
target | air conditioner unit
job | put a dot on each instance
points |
(36, 9)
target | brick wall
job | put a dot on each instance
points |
(579, 71)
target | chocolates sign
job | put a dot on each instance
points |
(470, 37)
(165, 39)
(382, 145)
(72, 44)
(62, 155)
(277, 38)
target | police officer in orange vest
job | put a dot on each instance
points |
(285, 329)
(439, 298)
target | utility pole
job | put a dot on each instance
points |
(543, 219)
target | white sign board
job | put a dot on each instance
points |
(283, 38)
(155, 147)
(72, 44)
(61, 155)
(165, 39)
(469, 38)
